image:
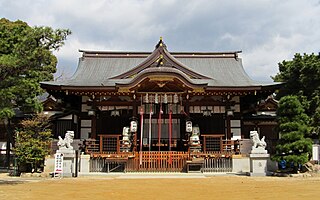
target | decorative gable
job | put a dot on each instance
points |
(161, 72)
(160, 57)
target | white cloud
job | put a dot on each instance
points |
(268, 31)
(262, 60)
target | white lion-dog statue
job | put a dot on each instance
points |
(66, 142)
(256, 142)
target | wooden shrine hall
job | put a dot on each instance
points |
(160, 110)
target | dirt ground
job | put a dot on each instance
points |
(218, 187)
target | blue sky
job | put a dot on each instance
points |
(267, 31)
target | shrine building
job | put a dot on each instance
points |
(158, 110)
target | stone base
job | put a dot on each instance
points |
(48, 164)
(258, 150)
(256, 174)
(258, 164)
(67, 152)
(84, 163)
(240, 164)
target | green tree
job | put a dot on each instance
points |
(32, 142)
(26, 58)
(302, 78)
(293, 146)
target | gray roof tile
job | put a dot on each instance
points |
(99, 70)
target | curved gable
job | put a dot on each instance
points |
(160, 57)
(161, 79)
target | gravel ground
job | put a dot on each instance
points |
(161, 186)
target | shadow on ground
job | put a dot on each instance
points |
(10, 182)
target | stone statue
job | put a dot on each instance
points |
(194, 142)
(194, 138)
(66, 142)
(258, 156)
(258, 146)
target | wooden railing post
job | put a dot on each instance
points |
(204, 144)
(101, 143)
(118, 144)
(221, 144)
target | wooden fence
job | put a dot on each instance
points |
(157, 162)
(214, 165)
(103, 164)
(144, 162)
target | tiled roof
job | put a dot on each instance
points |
(216, 69)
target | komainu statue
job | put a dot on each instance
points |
(194, 138)
(66, 142)
(257, 144)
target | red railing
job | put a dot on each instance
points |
(157, 162)
(212, 146)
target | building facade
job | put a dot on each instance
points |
(164, 99)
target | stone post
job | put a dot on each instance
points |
(84, 164)
(240, 164)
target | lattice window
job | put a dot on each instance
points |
(109, 144)
(213, 144)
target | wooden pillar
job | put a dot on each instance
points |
(229, 114)
(204, 144)
(134, 149)
(101, 144)
(94, 127)
(228, 127)
(221, 144)
(118, 144)
(135, 117)
(134, 106)
(187, 105)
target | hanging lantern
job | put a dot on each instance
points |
(165, 98)
(188, 126)
(175, 98)
(147, 98)
(156, 101)
(133, 126)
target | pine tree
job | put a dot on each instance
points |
(294, 147)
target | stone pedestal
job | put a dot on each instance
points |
(258, 164)
(48, 164)
(84, 164)
(69, 157)
(240, 164)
